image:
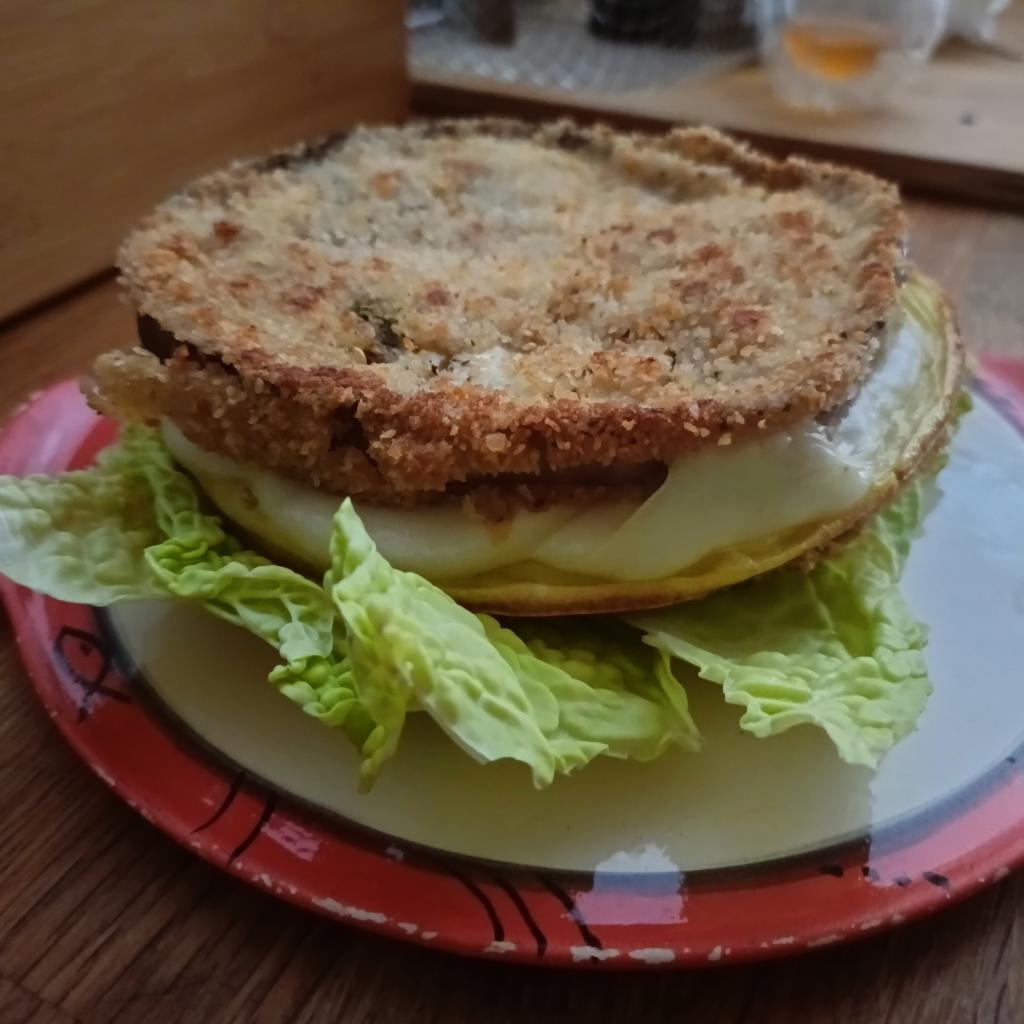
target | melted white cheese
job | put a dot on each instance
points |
(709, 502)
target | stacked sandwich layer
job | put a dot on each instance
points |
(719, 517)
(393, 381)
(559, 370)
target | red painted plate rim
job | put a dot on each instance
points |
(554, 917)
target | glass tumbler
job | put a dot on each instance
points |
(833, 55)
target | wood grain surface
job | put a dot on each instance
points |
(107, 106)
(957, 131)
(103, 919)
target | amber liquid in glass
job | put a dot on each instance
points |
(836, 50)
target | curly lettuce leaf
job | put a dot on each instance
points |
(609, 691)
(132, 526)
(553, 709)
(82, 535)
(835, 647)
(411, 644)
(360, 652)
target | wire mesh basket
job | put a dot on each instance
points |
(579, 45)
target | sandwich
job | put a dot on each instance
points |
(524, 427)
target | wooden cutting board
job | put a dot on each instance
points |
(959, 130)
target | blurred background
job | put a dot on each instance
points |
(822, 54)
(920, 90)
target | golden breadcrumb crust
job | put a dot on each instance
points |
(400, 311)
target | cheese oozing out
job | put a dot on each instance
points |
(709, 501)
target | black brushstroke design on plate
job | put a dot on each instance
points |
(481, 897)
(539, 938)
(269, 806)
(229, 798)
(442, 864)
(71, 641)
(572, 910)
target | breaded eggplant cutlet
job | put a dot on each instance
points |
(558, 370)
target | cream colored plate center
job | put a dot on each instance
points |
(740, 800)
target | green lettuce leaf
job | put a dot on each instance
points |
(412, 647)
(608, 689)
(132, 526)
(360, 652)
(835, 647)
(81, 536)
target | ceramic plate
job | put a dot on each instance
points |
(753, 848)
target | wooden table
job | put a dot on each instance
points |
(104, 919)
